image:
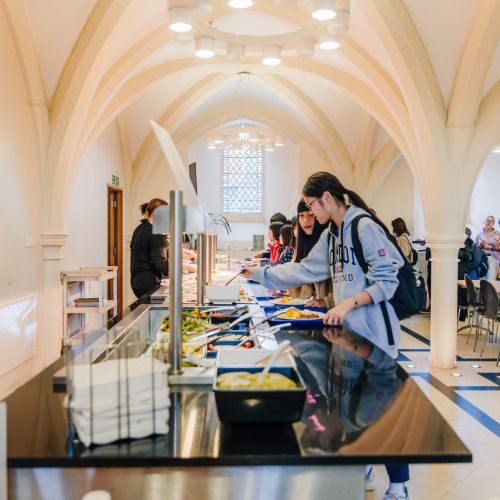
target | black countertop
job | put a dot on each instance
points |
(361, 407)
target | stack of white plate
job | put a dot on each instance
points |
(119, 399)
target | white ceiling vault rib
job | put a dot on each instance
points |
(472, 71)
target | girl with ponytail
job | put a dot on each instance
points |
(361, 298)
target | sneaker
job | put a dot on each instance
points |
(396, 496)
(370, 480)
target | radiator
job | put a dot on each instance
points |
(18, 332)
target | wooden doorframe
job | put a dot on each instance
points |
(116, 259)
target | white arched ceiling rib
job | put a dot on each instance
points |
(27, 56)
(486, 134)
(182, 107)
(87, 64)
(420, 90)
(328, 135)
(480, 44)
(381, 165)
(364, 149)
(210, 118)
(358, 90)
(114, 78)
(186, 105)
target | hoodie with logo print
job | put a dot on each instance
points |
(340, 263)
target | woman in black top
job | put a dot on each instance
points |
(148, 258)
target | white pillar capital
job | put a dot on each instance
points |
(52, 244)
(444, 247)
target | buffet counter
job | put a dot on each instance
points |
(361, 408)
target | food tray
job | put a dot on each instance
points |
(239, 406)
(223, 319)
(226, 344)
(296, 324)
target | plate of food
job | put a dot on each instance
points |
(299, 318)
(288, 301)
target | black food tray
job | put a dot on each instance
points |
(239, 406)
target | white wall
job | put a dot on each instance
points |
(20, 266)
(281, 188)
(395, 197)
(86, 218)
(485, 199)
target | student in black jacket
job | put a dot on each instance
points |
(148, 254)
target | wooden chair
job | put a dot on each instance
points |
(474, 309)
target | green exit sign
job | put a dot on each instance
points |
(115, 180)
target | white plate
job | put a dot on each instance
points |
(292, 302)
(319, 316)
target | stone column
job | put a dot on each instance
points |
(444, 268)
(51, 310)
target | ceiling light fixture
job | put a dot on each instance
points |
(328, 41)
(271, 55)
(496, 149)
(324, 10)
(204, 47)
(240, 4)
(243, 137)
(179, 19)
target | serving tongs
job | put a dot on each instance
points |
(223, 327)
(234, 277)
(262, 335)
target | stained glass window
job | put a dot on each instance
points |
(242, 180)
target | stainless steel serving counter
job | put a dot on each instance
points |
(361, 408)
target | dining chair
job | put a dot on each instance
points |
(474, 308)
(489, 298)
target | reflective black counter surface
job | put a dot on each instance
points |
(361, 407)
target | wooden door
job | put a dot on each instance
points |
(115, 240)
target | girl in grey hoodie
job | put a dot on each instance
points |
(362, 300)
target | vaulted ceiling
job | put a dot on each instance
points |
(106, 59)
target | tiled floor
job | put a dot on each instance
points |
(469, 402)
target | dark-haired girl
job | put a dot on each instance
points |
(287, 250)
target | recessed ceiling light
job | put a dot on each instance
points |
(324, 10)
(328, 42)
(271, 55)
(410, 366)
(204, 47)
(179, 19)
(240, 4)
(211, 146)
(457, 374)
(496, 149)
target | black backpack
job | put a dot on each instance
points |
(405, 301)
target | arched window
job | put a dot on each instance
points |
(242, 180)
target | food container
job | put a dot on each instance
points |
(223, 294)
(220, 316)
(260, 406)
(249, 357)
(228, 345)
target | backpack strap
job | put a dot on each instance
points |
(358, 251)
(356, 242)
